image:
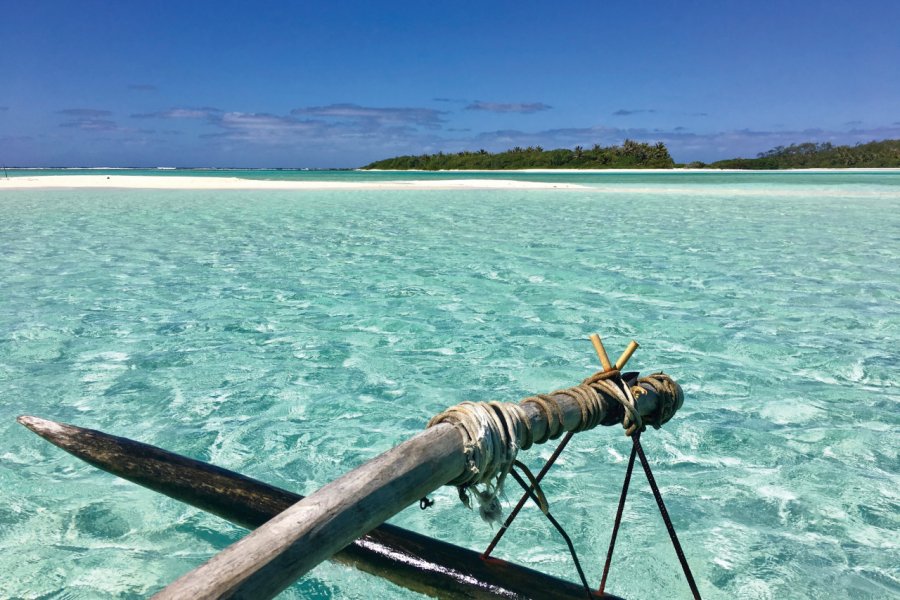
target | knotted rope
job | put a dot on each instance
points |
(591, 396)
(494, 432)
(670, 397)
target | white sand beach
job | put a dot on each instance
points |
(178, 182)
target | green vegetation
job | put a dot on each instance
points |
(819, 156)
(630, 155)
(638, 155)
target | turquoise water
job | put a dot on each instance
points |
(293, 335)
(711, 178)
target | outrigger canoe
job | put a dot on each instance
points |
(472, 446)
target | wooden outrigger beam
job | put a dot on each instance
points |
(469, 444)
(405, 558)
(287, 546)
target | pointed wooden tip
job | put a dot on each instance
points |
(43, 427)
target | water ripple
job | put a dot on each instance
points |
(294, 336)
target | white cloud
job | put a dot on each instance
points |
(511, 107)
(204, 112)
(427, 117)
(90, 113)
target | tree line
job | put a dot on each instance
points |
(640, 155)
(630, 155)
(883, 154)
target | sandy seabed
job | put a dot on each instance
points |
(235, 183)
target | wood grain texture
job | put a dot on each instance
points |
(313, 529)
(408, 559)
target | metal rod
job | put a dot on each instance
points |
(615, 531)
(524, 498)
(565, 536)
(666, 519)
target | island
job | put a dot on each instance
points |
(630, 155)
(640, 155)
(873, 155)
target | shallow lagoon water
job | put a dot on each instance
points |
(291, 336)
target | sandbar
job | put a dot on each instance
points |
(178, 182)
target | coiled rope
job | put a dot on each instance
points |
(669, 394)
(494, 432)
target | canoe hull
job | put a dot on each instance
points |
(406, 558)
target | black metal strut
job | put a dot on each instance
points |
(638, 449)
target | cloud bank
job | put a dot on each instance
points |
(514, 107)
(88, 119)
(349, 134)
(204, 112)
(426, 117)
(627, 112)
(89, 113)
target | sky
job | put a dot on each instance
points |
(340, 84)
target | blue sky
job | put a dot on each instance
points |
(339, 84)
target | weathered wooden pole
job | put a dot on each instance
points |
(284, 548)
(406, 558)
(274, 555)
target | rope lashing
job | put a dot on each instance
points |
(670, 397)
(493, 433)
(598, 398)
(590, 396)
(607, 382)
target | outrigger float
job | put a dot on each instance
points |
(472, 446)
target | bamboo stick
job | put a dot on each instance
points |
(282, 550)
(632, 346)
(601, 352)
